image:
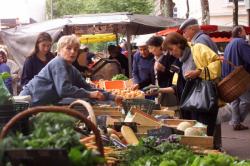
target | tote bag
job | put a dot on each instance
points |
(199, 95)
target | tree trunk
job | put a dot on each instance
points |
(205, 12)
(169, 8)
(235, 12)
(187, 14)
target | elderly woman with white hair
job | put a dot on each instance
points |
(60, 79)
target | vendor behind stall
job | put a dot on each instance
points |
(115, 53)
(143, 67)
(59, 79)
(81, 62)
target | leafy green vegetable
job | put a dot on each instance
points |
(5, 75)
(54, 130)
(79, 156)
(120, 77)
(242, 163)
(149, 153)
(168, 163)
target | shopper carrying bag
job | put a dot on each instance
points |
(199, 95)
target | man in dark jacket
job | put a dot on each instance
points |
(115, 53)
(143, 67)
(191, 31)
(237, 51)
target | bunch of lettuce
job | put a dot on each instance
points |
(119, 77)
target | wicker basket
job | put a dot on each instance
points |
(234, 84)
(41, 157)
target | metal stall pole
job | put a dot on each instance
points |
(129, 53)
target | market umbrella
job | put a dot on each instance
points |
(212, 30)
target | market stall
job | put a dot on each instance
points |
(20, 40)
(221, 35)
(137, 132)
(212, 30)
(96, 38)
(133, 139)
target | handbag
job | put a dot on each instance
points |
(199, 95)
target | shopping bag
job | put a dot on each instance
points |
(199, 95)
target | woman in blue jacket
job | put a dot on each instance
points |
(59, 79)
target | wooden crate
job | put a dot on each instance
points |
(200, 141)
(164, 112)
(142, 118)
(111, 111)
(204, 151)
(175, 122)
(173, 108)
(142, 129)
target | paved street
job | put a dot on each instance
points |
(236, 143)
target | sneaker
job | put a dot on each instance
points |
(238, 127)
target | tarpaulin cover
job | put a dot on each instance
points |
(212, 30)
(20, 40)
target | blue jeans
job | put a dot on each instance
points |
(240, 108)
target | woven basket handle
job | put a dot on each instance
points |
(227, 61)
(87, 106)
(56, 109)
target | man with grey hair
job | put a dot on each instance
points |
(143, 70)
(59, 79)
(191, 31)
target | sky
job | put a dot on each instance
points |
(22, 9)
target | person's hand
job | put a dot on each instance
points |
(92, 85)
(192, 74)
(118, 100)
(152, 92)
(159, 67)
(135, 87)
(97, 95)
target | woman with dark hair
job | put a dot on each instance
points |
(194, 59)
(39, 57)
(163, 61)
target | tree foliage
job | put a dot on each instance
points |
(71, 7)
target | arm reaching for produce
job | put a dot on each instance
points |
(135, 87)
(97, 95)
(167, 90)
(118, 100)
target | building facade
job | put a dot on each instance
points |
(23, 10)
(221, 11)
